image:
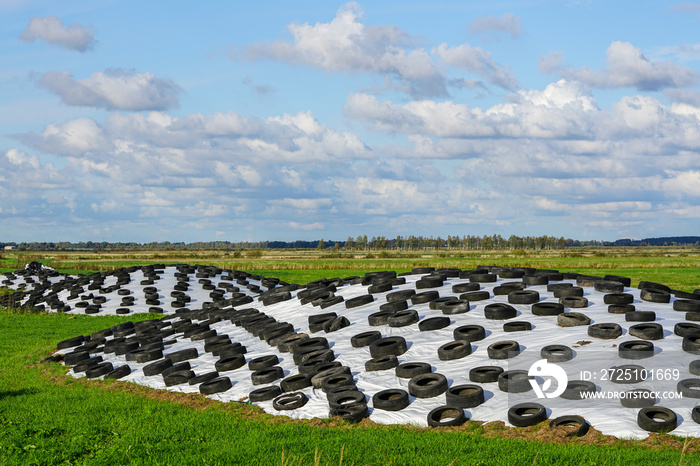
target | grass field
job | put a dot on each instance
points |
(47, 417)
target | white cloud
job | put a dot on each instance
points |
(477, 61)
(508, 23)
(627, 66)
(114, 89)
(347, 45)
(50, 29)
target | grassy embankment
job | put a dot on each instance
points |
(49, 418)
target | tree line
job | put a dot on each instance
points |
(366, 243)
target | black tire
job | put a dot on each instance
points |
(695, 414)
(230, 363)
(348, 399)
(605, 331)
(379, 288)
(324, 371)
(626, 281)
(618, 298)
(340, 380)
(523, 297)
(402, 295)
(657, 419)
(402, 318)
(394, 306)
(572, 319)
(482, 278)
(465, 287)
(336, 324)
(457, 306)
(353, 414)
(635, 349)
(379, 318)
(437, 304)
(289, 401)
(503, 349)
(424, 297)
(264, 394)
(464, 396)
(359, 301)
(527, 414)
(499, 311)
(547, 309)
(178, 378)
(535, 280)
(647, 331)
(576, 388)
(99, 370)
(119, 372)
(485, 374)
(71, 342)
(157, 367)
(446, 416)
(475, 296)
(309, 343)
(408, 370)
(640, 316)
(183, 355)
(608, 286)
(393, 399)
(694, 316)
(621, 308)
(579, 425)
(381, 363)
(689, 388)
(686, 305)
(505, 288)
(217, 385)
(515, 381)
(433, 323)
(638, 398)
(364, 339)
(574, 302)
(570, 292)
(427, 385)
(390, 345)
(262, 362)
(557, 353)
(683, 329)
(295, 382)
(520, 326)
(470, 333)
(287, 343)
(203, 378)
(454, 350)
(655, 296)
(429, 282)
(266, 375)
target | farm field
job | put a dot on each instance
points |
(47, 417)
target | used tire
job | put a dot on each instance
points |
(457, 306)
(640, 316)
(289, 401)
(364, 339)
(433, 323)
(454, 350)
(393, 399)
(217, 385)
(572, 319)
(605, 331)
(547, 309)
(523, 297)
(575, 390)
(635, 349)
(408, 370)
(446, 416)
(427, 385)
(655, 296)
(577, 423)
(499, 311)
(647, 331)
(503, 349)
(470, 333)
(517, 326)
(402, 318)
(464, 396)
(557, 353)
(264, 394)
(516, 381)
(657, 419)
(381, 363)
(526, 414)
(485, 374)
(390, 345)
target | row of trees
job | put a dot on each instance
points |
(455, 242)
(365, 243)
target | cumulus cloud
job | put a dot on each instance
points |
(508, 23)
(347, 45)
(114, 89)
(50, 29)
(477, 61)
(626, 67)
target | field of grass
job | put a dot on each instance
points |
(47, 417)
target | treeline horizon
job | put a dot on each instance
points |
(365, 243)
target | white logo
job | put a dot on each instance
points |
(548, 371)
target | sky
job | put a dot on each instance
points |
(250, 121)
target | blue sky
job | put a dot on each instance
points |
(174, 121)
